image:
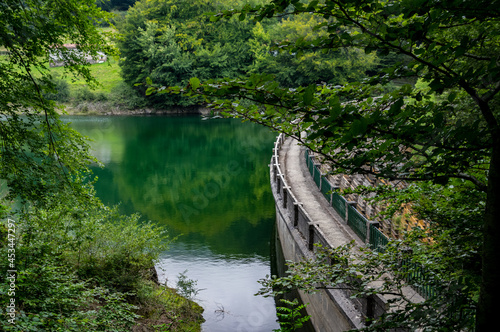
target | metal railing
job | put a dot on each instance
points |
(378, 240)
(301, 219)
(347, 212)
(339, 204)
(358, 223)
(365, 229)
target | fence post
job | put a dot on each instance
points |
(320, 178)
(295, 214)
(285, 196)
(275, 168)
(334, 188)
(310, 240)
(316, 169)
(279, 185)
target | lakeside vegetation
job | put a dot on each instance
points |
(68, 262)
(82, 266)
(111, 93)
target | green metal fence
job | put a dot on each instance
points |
(378, 240)
(310, 163)
(317, 176)
(415, 275)
(339, 204)
(357, 222)
(326, 188)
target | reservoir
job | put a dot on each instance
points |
(207, 182)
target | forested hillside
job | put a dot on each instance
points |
(168, 42)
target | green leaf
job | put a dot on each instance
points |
(150, 91)
(194, 82)
(452, 96)
(308, 95)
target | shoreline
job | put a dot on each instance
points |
(99, 108)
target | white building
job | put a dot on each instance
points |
(57, 59)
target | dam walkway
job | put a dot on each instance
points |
(305, 218)
(309, 196)
(309, 213)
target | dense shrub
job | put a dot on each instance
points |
(85, 94)
(123, 95)
(61, 91)
(78, 265)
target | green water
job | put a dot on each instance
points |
(207, 182)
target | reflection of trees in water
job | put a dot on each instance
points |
(195, 176)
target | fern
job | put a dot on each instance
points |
(290, 316)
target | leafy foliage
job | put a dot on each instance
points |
(74, 264)
(168, 41)
(445, 133)
(365, 273)
(290, 316)
(304, 67)
(187, 287)
(167, 310)
(77, 266)
(39, 153)
(442, 262)
(121, 5)
(166, 45)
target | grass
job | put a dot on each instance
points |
(107, 74)
(163, 309)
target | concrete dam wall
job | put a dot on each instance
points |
(304, 218)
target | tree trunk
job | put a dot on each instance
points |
(489, 299)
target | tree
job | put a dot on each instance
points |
(170, 41)
(307, 66)
(68, 262)
(442, 134)
(49, 215)
(109, 5)
(40, 155)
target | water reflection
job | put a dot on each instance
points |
(228, 285)
(207, 182)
